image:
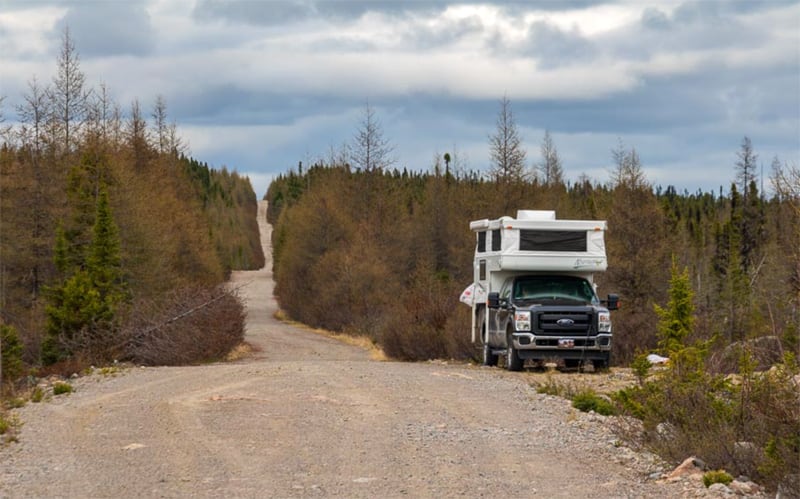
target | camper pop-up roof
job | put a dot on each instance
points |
(536, 241)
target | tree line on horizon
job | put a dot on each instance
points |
(363, 247)
(109, 230)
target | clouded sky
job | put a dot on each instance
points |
(259, 85)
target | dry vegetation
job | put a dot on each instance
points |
(384, 254)
(387, 253)
(114, 243)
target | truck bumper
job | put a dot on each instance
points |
(532, 346)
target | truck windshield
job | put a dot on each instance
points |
(554, 288)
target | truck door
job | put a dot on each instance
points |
(503, 313)
(497, 318)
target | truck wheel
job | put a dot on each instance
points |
(513, 362)
(489, 359)
(603, 364)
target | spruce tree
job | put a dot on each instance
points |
(11, 366)
(734, 285)
(104, 262)
(75, 306)
(676, 320)
(92, 290)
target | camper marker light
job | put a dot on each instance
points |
(604, 322)
(522, 320)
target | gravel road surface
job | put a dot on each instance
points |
(308, 416)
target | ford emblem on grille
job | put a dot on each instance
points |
(565, 322)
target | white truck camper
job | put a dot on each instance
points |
(534, 295)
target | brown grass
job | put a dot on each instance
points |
(360, 341)
(242, 351)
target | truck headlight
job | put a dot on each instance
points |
(604, 322)
(522, 320)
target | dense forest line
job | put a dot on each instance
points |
(108, 231)
(386, 253)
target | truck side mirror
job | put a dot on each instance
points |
(493, 300)
(613, 302)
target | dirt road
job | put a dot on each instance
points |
(311, 417)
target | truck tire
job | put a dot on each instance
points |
(489, 358)
(603, 364)
(513, 362)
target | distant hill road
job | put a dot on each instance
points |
(311, 417)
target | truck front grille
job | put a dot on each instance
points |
(556, 323)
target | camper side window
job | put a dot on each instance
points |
(552, 240)
(496, 240)
(482, 270)
(481, 242)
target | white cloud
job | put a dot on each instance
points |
(25, 33)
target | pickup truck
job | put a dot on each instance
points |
(537, 275)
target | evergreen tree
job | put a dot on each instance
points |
(75, 306)
(104, 262)
(734, 286)
(675, 322)
(751, 228)
(88, 298)
(10, 354)
(746, 166)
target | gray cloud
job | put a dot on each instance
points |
(705, 11)
(109, 28)
(254, 12)
(230, 104)
(694, 25)
(426, 37)
(553, 47)
(653, 18)
(281, 12)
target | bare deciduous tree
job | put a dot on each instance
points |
(786, 182)
(68, 95)
(5, 130)
(137, 134)
(100, 108)
(371, 150)
(33, 114)
(160, 122)
(507, 153)
(166, 133)
(627, 170)
(552, 172)
(338, 157)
